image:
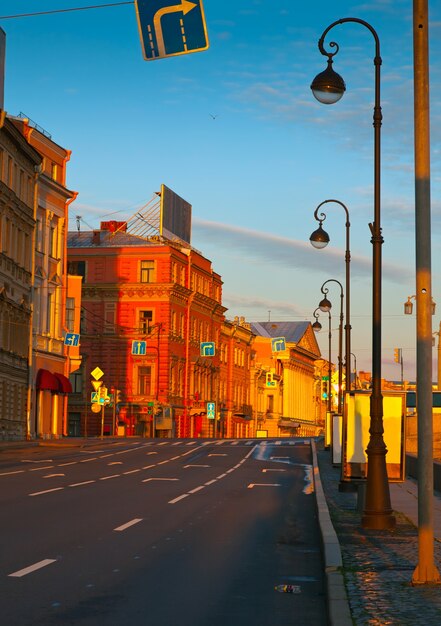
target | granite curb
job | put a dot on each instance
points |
(339, 613)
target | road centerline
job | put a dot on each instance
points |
(40, 493)
(132, 522)
(31, 568)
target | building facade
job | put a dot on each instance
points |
(235, 355)
(147, 306)
(19, 166)
(50, 362)
(285, 380)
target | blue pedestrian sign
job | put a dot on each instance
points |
(71, 339)
(171, 27)
(208, 348)
(278, 344)
(139, 347)
(211, 410)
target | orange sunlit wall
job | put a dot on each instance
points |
(147, 305)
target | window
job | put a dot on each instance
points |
(22, 189)
(30, 191)
(39, 236)
(109, 317)
(83, 320)
(53, 241)
(70, 314)
(147, 271)
(77, 268)
(50, 313)
(10, 172)
(7, 236)
(144, 381)
(145, 321)
(27, 253)
(270, 404)
(76, 380)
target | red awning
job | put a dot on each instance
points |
(64, 385)
(46, 381)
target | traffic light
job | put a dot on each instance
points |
(397, 355)
(103, 392)
(117, 396)
(325, 388)
(270, 382)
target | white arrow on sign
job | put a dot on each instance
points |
(184, 8)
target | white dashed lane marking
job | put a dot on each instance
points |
(31, 568)
(128, 524)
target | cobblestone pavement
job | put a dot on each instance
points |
(378, 565)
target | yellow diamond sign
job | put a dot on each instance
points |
(97, 373)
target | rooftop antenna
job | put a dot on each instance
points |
(78, 219)
(269, 316)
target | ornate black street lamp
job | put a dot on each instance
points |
(325, 305)
(328, 87)
(319, 239)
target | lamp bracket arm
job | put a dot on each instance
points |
(323, 215)
(332, 44)
(325, 290)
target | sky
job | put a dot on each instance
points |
(236, 132)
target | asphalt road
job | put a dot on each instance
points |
(160, 533)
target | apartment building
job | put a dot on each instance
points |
(19, 167)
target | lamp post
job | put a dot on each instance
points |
(355, 370)
(325, 306)
(328, 87)
(319, 239)
(408, 309)
(316, 327)
(438, 379)
(408, 305)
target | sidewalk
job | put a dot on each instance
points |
(377, 566)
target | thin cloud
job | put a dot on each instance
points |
(237, 302)
(283, 251)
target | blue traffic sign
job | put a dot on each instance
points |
(71, 339)
(171, 27)
(278, 344)
(208, 348)
(139, 347)
(211, 410)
